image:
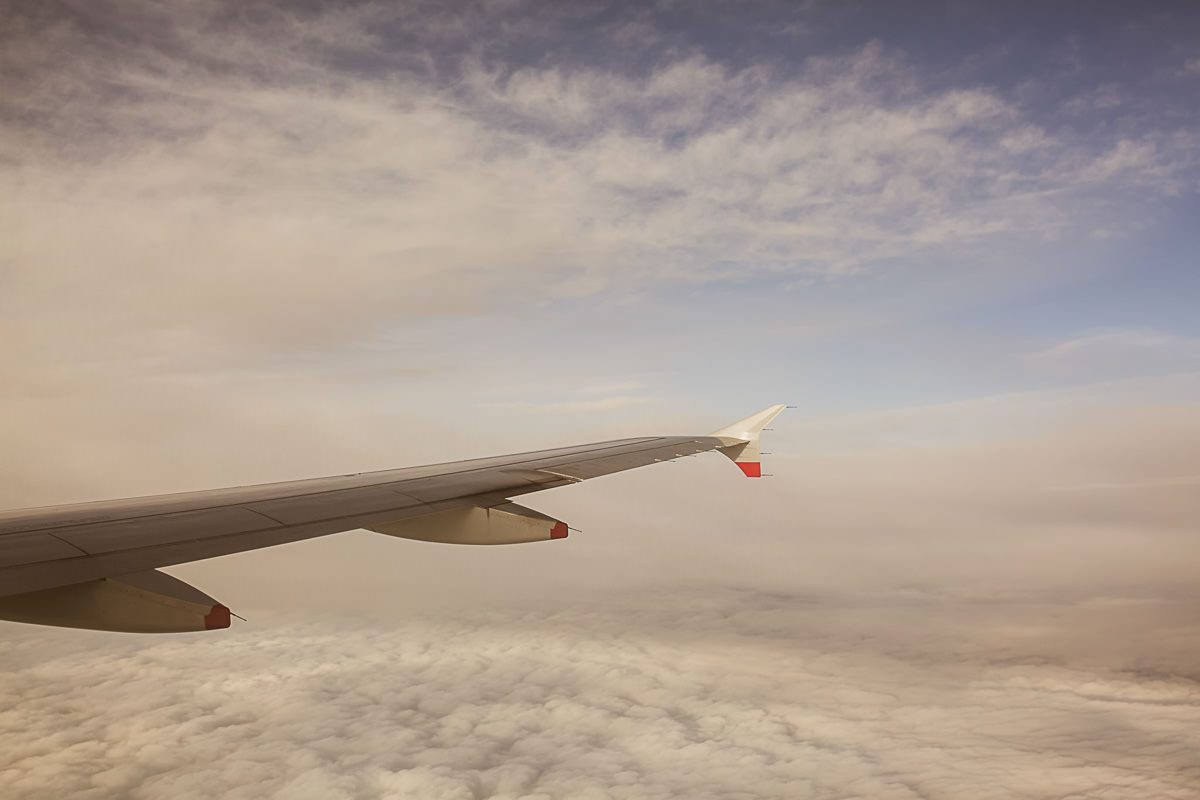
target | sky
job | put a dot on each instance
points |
(244, 243)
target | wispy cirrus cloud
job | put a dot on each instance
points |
(583, 405)
(1118, 351)
(226, 175)
(1123, 341)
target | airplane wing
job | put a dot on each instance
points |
(95, 565)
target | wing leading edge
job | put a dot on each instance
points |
(95, 565)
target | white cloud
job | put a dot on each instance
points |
(578, 406)
(610, 388)
(722, 695)
(1113, 350)
(204, 216)
(231, 187)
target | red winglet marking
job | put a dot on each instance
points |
(559, 531)
(753, 469)
(217, 618)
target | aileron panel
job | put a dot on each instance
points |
(30, 548)
(332, 505)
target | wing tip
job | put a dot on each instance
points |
(740, 440)
(748, 429)
(752, 469)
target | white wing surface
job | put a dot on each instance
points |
(94, 565)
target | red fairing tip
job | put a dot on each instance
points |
(753, 469)
(559, 531)
(217, 618)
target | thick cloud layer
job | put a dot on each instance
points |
(720, 695)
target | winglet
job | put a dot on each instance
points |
(740, 440)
